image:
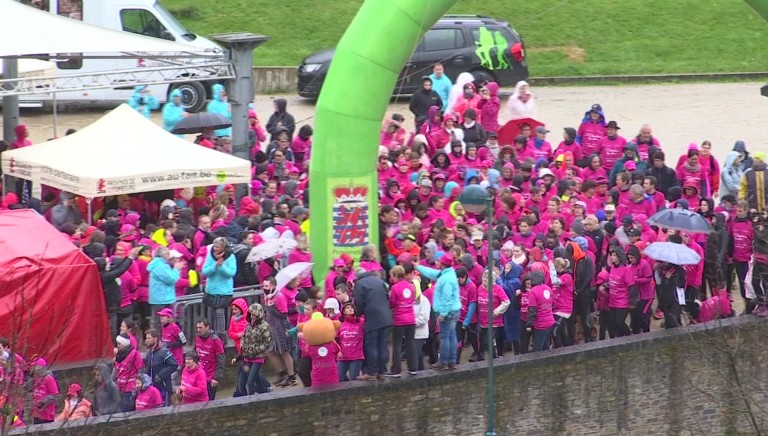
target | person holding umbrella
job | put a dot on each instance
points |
(670, 282)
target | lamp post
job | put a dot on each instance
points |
(476, 200)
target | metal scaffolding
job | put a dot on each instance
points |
(220, 69)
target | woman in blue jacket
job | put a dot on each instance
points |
(219, 269)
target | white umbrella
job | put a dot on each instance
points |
(290, 272)
(670, 252)
(270, 248)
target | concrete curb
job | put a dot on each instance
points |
(691, 77)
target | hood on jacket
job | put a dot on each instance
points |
(682, 203)
(241, 304)
(390, 183)
(434, 161)
(720, 221)
(730, 159)
(470, 174)
(467, 261)
(176, 93)
(514, 272)
(146, 381)
(631, 146)
(589, 111)
(740, 147)
(431, 112)
(690, 183)
(137, 90)
(493, 178)
(493, 88)
(256, 310)
(573, 250)
(281, 104)
(536, 278)
(216, 90)
(106, 374)
(432, 251)
(464, 78)
(306, 131)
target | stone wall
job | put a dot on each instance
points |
(271, 80)
(698, 380)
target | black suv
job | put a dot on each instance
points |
(486, 47)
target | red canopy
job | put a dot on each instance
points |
(51, 299)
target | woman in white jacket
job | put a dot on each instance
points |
(730, 177)
(521, 103)
(457, 90)
(422, 309)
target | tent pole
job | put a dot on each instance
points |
(55, 117)
(10, 102)
(4, 180)
(90, 211)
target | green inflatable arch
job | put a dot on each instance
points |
(368, 59)
(343, 188)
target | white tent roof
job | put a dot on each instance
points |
(122, 153)
(27, 31)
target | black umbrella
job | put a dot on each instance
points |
(195, 123)
(680, 219)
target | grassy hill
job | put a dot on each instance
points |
(563, 37)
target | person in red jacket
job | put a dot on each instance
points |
(194, 384)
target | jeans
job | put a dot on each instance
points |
(562, 337)
(448, 340)
(218, 319)
(251, 382)
(376, 352)
(352, 367)
(399, 333)
(542, 338)
(419, 345)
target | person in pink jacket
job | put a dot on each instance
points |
(496, 307)
(468, 100)
(640, 315)
(694, 274)
(540, 319)
(692, 173)
(45, 392)
(128, 365)
(591, 132)
(637, 204)
(238, 322)
(563, 305)
(621, 288)
(740, 250)
(146, 396)
(402, 296)
(172, 336)
(522, 149)
(489, 106)
(350, 336)
(611, 146)
(194, 384)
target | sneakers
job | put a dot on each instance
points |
(366, 377)
(281, 378)
(289, 381)
(449, 367)
(658, 315)
(438, 365)
(391, 374)
(761, 311)
(413, 372)
(477, 358)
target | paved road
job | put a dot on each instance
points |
(679, 114)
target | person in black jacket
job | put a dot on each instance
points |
(372, 302)
(666, 176)
(110, 272)
(422, 100)
(583, 293)
(714, 257)
(159, 365)
(246, 273)
(281, 120)
(669, 277)
(473, 131)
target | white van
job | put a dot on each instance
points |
(143, 17)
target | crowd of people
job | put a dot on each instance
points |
(567, 261)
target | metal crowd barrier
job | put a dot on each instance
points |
(190, 309)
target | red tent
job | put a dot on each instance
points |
(51, 299)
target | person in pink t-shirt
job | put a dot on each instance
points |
(45, 392)
(350, 336)
(498, 305)
(194, 387)
(145, 395)
(402, 296)
(541, 320)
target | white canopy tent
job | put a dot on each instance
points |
(28, 31)
(123, 153)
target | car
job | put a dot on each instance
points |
(486, 47)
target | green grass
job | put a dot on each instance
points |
(563, 37)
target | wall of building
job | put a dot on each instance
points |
(698, 380)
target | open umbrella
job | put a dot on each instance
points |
(670, 252)
(509, 131)
(270, 248)
(680, 219)
(195, 123)
(290, 272)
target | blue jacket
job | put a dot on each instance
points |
(220, 278)
(511, 283)
(218, 106)
(446, 298)
(162, 281)
(442, 87)
(148, 104)
(172, 113)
